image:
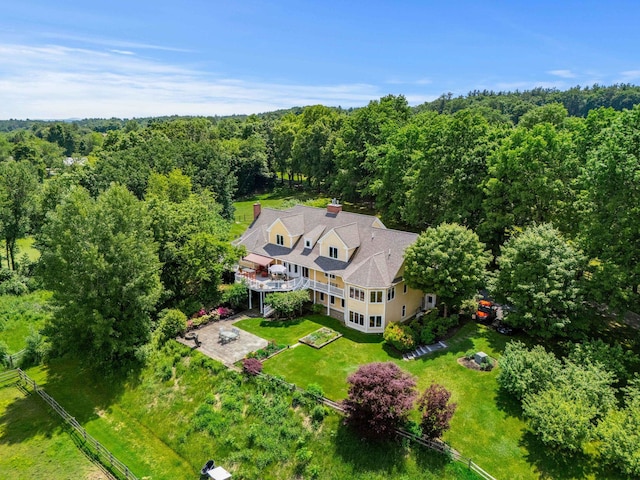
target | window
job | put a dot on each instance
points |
(391, 294)
(357, 318)
(322, 297)
(375, 321)
(404, 311)
(295, 269)
(333, 252)
(305, 272)
(332, 299)
(405, 288)
(356, 293)
(307, 243)
(375, 296)
(342, 302)
(330, 275)
(430, 299)
(279, 239)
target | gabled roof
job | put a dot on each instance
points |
(349, 234)
(378, 256)
(315, 234)
(294, 224)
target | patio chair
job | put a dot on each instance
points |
(235, 331)
(210, 465)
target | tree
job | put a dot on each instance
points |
(539, 277)
(436, 411)
(379, 399)
(619, 432)
(560, 420)
(449, 261)
(18, 189)
(524, 371)
(171, 323)
(101, 262)
(611, 230)
(194, 248)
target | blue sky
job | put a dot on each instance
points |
(137, 58)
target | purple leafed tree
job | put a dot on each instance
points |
(380, 397)
(436, 410)
(252, 366)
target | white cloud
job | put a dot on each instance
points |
(61, 82)
(629, 76)
(562, 73)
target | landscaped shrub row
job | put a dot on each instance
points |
(419, 331)
(267, 351)
(202, 317)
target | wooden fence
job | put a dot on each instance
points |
(437, 445)
(13, 360)
(99, 452)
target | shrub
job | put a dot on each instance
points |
(318, 412)
(15, 285)
(315, 390)
(171, 323)
(236, 295)
(4, 351)
(36, 349)
(251, 366)
(400, 336)
(288, 304)
(524, 371)
(379, 399)
(318, 308)
(436, 411)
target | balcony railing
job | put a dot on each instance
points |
(270, 285)
(326, 288)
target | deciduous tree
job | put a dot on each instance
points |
(449, 261)
(379, 399)
(539, 276)
(101, 262)
(436, 410)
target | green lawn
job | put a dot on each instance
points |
(20, 315)
(166, 420)
(34, 444)
(487, 426)
(25, 245)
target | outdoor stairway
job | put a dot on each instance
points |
(423, 350)
(268, 311)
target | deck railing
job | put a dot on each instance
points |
(326, 288)
(270, 285)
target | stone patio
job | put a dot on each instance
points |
(230, 352)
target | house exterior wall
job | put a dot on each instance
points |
(331, 239)
(278, 228)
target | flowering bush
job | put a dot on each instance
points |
(400, 336)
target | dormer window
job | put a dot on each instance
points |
(279, 239)
(307, 243)
(333, 252)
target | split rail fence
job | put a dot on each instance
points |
(437, 445)
(100, 453)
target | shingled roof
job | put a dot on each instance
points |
(379, 253)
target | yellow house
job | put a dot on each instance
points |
(351, 263)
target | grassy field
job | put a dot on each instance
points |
(25, 245)
(487, 427)
(21, 315)
(165, 421)
(34, 444)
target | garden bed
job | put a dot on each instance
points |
(320, 337)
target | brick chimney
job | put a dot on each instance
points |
(334, 207)
(257, 208)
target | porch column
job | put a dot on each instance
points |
(250, 295)
(261, 302)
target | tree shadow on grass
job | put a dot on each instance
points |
(280, 323)
(382, 456)
(81, 391)
(554, 464)
(508, 403)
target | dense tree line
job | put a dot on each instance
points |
(546, 179)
